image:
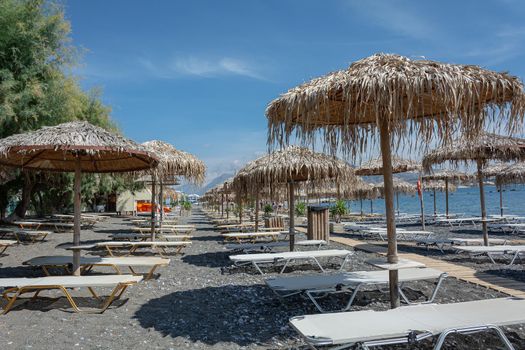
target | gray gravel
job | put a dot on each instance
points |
(193, 305)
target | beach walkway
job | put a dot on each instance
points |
(463, 273)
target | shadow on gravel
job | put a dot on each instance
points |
(207, 238)
(45, 304)
(20, 271)
(212, 259)
(238, 314)
(515, 275)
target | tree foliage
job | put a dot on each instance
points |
(36, 53)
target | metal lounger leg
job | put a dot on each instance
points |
(257, 267)
(318, 264)
(470, 330)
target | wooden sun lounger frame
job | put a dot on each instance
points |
(158, 247)
(12, 294)
(86, 268)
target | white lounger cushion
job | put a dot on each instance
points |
(251, 234)
(256, 246)
(124, 261)
(360, 326)
(316, 281)
(70, 281)
(7, 242)
(269, 257)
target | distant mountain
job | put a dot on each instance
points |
(200, 190)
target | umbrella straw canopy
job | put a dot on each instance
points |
(172, 162)
(481, 150)
(75, 146)
(438, 185)
(512, 174)
(378, 95)
(449, 177)
(290, 165)
(399, 165)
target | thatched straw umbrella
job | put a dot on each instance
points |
(399, 165)
(291, 165)
(450, 177)
(512, 174)
(74, 147)
(493, 171)
(437, 185)
(379, 95)
(482, 149)
(172, 163)
(400, 186)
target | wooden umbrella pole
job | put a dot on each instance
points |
(397, 202)
(240, 211)
(291, 208)
(257, 211)
(153, 195)
(389, 208)
(161, 202)
(227, 206)
(434, 193)
(76, 222)
(446, 197)
(500, 200)
(222, 205)
(482, 203)
(361, 201)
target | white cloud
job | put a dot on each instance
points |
(201, 67)
(215, 67)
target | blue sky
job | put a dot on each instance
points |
(199, 74)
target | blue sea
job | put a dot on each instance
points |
(462, 201)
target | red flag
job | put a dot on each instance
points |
(419, 187)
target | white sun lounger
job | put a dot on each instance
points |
(458, 221)
(251, 236)
(15, 287)
(87, 263)
(267, 247)
(491, 251)
(157, 246)
(440, 243)
(410, 324)
(318, 286)
(287, 257)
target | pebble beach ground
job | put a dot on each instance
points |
(195, 304)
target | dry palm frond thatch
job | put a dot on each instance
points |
(349, 104)
(293, 164)
(173, 162)
(486, 147)
(446, 175)
(513, 174)
(438, 185)
(58, 148)
(400, 186)
(399, 165)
